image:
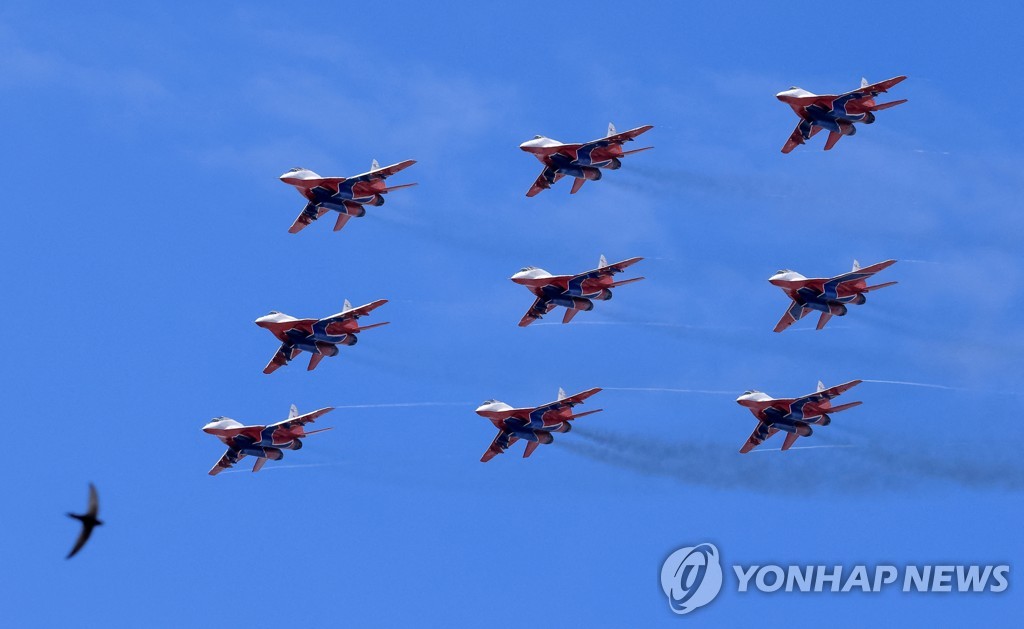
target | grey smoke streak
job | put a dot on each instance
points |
(870, 467)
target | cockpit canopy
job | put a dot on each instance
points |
(273, 312)
(527, 268)
(296, 169)
(751, 392)
(781, 271)
(486, 402)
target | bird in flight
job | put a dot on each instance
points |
(88, 519)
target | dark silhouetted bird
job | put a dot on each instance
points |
(88, 519)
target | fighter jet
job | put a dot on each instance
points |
(837, 113)
(88, 519)
(792, 415)
(582, 161)
(574, 292)
(262, 442)
(828, 295)
(320, 337)
(534, 425)
(344, 195)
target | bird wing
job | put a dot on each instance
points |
(83, 537)
(94, 501)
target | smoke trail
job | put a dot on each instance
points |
(917, 384)
(661, 390)
(928, 385)
(871, 467)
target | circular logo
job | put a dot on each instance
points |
(691, 577)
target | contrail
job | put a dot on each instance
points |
(661, 390)
(918, 384)
(946, 387)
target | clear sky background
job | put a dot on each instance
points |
(144, 229)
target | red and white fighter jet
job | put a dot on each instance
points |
(574, 292)
(263, 442)
(792, 415)
(319, 337)
(827, 295)
(344, 195)
(581, 161)
(835, 112)
(534, 425)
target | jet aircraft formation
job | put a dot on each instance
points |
(535, 425)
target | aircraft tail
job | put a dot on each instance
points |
(603, 262)
(293, 412)
(561, 394)
(856, 266)
(821, 386)
(611, 130)
(844, 407)
(864, 82)
(877, 286)
(374, 165)
(347, 305)
(888, 105)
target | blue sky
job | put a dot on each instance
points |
(145, 229)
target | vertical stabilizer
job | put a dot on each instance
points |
(611, 129)
(603, 262)
(821, 385)
(864, 82)
(293, 412)
(374, 165)
(346, 306)
(561, 393)
(856, 265)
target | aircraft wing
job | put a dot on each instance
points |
(360, 311)
(305, 218)
(229, 458)
(877, 88)
(761, 432)
(821, 396)
(545, 180)
(535, 313)
(282, 357)
(611, 269)
(302, 420)
(383, 173)
(619, 138)
(794, 313)
(797, 137)
(502, 441)
(832, 286)
(571, 400)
